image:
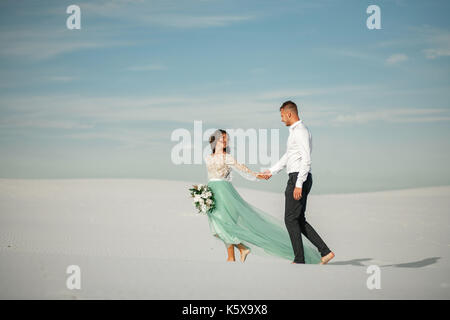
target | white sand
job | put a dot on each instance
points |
(141, 239)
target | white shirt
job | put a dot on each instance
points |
(298, 154)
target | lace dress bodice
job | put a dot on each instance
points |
(219, 166)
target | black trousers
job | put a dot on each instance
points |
(296, 224)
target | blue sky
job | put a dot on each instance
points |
(102, 102)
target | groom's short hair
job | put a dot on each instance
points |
(289, 105)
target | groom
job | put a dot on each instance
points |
(297, 161)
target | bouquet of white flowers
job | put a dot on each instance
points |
(203, 198)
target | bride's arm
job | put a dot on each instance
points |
(241, 168)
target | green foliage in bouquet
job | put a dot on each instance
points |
(203, 198)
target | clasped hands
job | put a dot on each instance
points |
(264, 175)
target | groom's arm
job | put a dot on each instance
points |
(277, 167)
(303, 139)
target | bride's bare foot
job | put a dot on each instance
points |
(231, 254)
(244, 251)
(327, 258)
(244, 254)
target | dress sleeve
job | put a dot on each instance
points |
(241, 168)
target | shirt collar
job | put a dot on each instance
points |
(292, 126)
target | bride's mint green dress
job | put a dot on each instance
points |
(235, 221)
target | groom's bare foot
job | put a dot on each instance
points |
(327, 258)
(231, 260)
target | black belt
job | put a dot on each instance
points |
(295, 173)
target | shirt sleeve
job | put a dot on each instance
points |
(241, 168)
(277, 167)
(303, 139)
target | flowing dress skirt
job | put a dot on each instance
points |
(235, 221)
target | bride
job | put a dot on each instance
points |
(236, 222)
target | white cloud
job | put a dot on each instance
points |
(30, 122)
(433, 42)
(438, 41)
(396, 58)
(61, 78)
(436, 53)
(45, 43)
(176, 14)
(129, 121)
(394, 115)
(126, 138)
(298, 93)
(352, 53)
(186, 21)
(91, 114)
(149, 67)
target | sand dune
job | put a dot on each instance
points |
(141, 239)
